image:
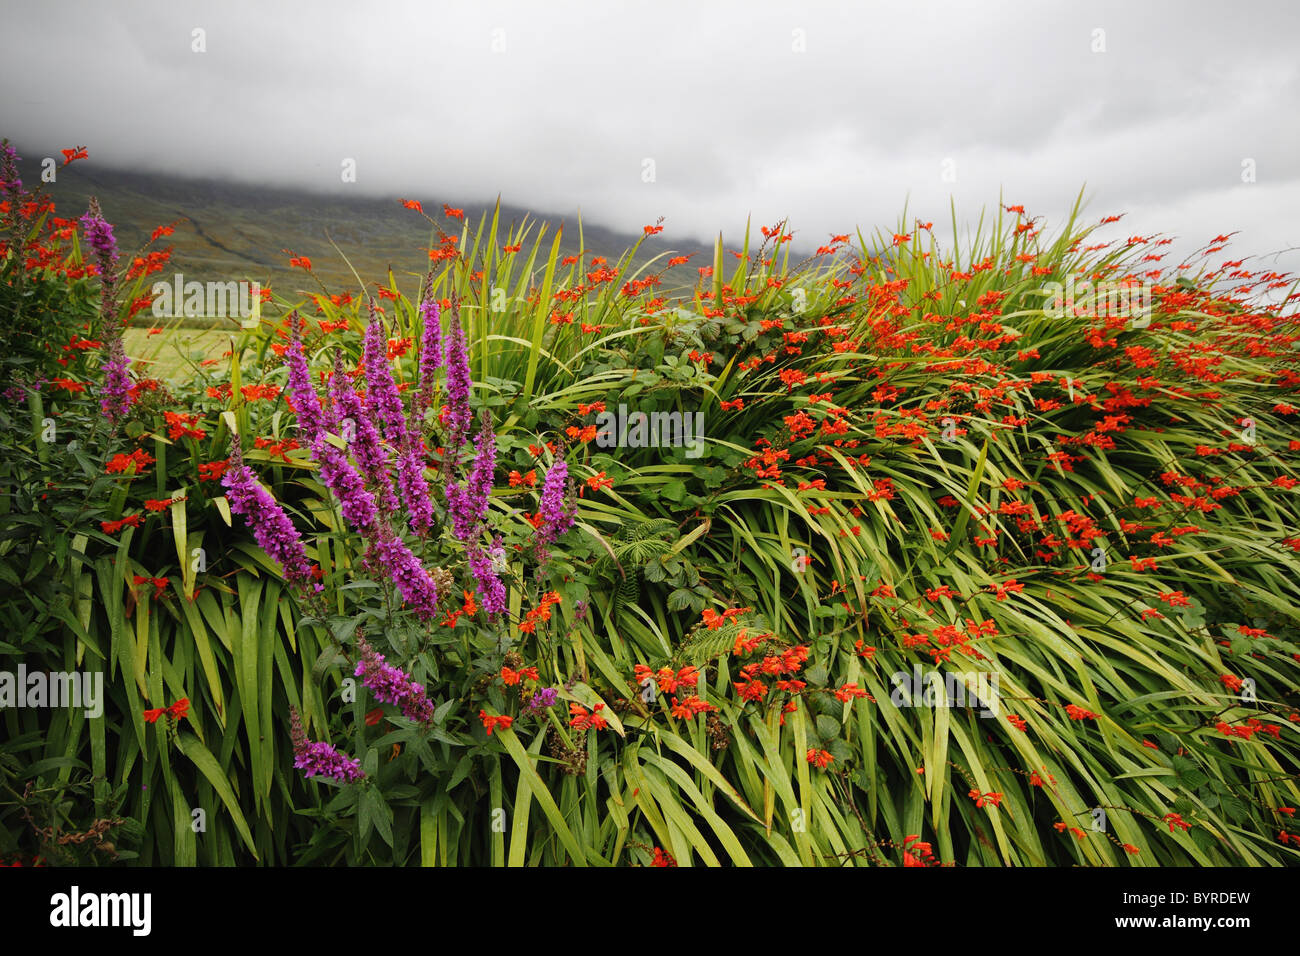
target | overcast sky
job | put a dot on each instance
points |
(834, 114)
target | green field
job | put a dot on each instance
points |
(173, 354)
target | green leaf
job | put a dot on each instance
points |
(202, 758)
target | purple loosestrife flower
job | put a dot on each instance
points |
(99, 236)
(382, 398)
(414, 486)
(320, 759)
(391, 685)
(542, 699)
(337, 474)
(117, 381)
(430, 353)
(491, 592)
(362, 437)
(458, 386)
(272, 528)
(404, 569)
(485, 462)
(9, 180)
(386, 682)
(329, 414)
(311, 419)
(468, 506)
(557, 516)
(463, 523)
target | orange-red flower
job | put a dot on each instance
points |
(491, 722)
(119, 463)
(848, 692)
(821, 759)
(512, 677)
(175, 711)
(663, 859)
(581, 719)
(131, 521)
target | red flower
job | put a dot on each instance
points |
(848, 692)
(1000, 591)
(180, 425)
(821, 759)
(662, 858)
(490, 722)
(580, 719)
(119, 463)
(176, 710)
(112, 527)
(512, 677)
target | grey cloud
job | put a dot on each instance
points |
(738, 123)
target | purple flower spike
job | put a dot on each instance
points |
(272, 528)
(320, 759)
(458, 386)
(382, 398)
(311, 419)
(99, 239)
(117, 382)
(557, 517)
(463, 525)
(404, 569)
(415, 487)
(430, 353)
(480, 476)
(357, 504)
(491, 592)
(362, 436)
(468, 506)
(391, 685)
(542, 699)
(9, 180)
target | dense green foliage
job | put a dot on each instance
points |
(912, 462)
